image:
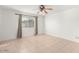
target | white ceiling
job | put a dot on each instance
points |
(34, 8)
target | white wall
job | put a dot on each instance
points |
(9, 23)
(41, 25)
(63, 24)
(0, 21)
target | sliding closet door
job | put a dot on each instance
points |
(28, 26)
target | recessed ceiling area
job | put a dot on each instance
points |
(34, 8)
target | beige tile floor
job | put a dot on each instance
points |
(39, 44)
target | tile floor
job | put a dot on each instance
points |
(39, 44)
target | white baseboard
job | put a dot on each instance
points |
(67, 38)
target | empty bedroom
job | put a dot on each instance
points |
(39, 28)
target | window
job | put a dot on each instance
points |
(27, 21)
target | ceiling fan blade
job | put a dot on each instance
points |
(48, 8)
(45, 11)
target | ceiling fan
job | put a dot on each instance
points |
(44, 9)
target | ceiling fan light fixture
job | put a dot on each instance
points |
(41, 13)
(43, 10)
